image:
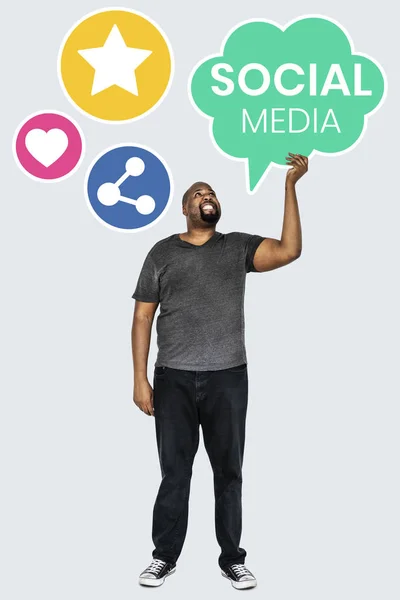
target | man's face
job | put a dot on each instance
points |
(202, 204)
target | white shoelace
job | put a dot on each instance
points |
(240, 570)
(155, 566)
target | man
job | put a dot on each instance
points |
(200, 375)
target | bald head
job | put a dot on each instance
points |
(198, 185)
(200, 205)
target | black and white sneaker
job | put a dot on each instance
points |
(156, 572)
(240, 576)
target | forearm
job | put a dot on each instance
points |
(291, 240)
(141, 335)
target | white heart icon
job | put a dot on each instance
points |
(46, 146)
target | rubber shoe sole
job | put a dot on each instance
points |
(241, 585)
(155, 582)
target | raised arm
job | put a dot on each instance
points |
(273, 253)
(143, 317)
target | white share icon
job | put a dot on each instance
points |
(109, 193)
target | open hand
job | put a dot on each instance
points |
(299, 164)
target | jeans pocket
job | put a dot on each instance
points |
(159, 371)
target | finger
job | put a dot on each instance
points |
(302, 160)
(297, 163)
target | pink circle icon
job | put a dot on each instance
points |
(48, 146)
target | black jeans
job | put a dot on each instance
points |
(183, 400)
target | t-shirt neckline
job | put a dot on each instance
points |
(188, 244)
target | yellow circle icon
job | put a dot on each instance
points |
(115, 65)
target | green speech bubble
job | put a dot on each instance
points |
(273, 90)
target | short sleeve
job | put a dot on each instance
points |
(251, 243)
(147, 287)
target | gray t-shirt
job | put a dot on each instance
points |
(200, 289)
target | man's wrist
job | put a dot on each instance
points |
(139, 376)
(290, 183)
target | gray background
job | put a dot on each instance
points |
(79, 463)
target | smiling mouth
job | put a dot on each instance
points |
(208, 206)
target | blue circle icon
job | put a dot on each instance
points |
(128, 187)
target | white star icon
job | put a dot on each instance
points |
(114, 63)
